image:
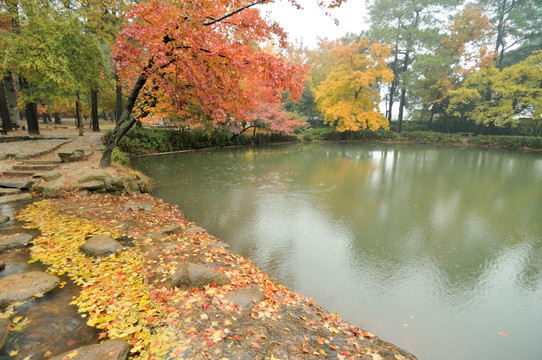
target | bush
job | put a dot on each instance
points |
(431, 137)
(507, 142)
(120, 158)
(329, 134)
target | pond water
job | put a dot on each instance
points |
(438, 250)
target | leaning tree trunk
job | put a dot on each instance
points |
(58, 119)
(124, 123)
(119, 97)
(4, 111)
(94, 105)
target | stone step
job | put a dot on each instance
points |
(41, 162)
(19, 173)
(9, 191)
(29, 167)
(16, 183)
(15, 198)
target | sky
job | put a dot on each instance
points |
(311, 22)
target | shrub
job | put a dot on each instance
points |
(507, 142)
(329, 134)
(120, 158)
(431, 137)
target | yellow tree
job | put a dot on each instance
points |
(349, 95)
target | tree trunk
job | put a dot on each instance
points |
(44, 118)
(32, 118)
(94, 105)
(119, 97)
(4, 111)
(58, 119)
(124, 123)
(31, 111)
(78, 117)
(401, 109)
(11, 97)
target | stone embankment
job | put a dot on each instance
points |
(157, 285)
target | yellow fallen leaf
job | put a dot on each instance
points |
(13, 352)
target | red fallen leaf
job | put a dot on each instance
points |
(250, 331)
(305, 350)
(503, 333)
(102, 335)
(345, 353)
(256, 346)
(235, 337)
(204, 305)
(169, 256)
(210, 343)
(71, 342)
(177, 352)
(333, 347)
(320, 340)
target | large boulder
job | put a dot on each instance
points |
(95, 175)
(8, 242)
(20, 287)
(100, 246)
(115, 349)
(247, 297)
(76, 155)
(92, 185)
(191, 275)
(51, 175)
(51, 189)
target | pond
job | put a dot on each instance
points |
(438, 250)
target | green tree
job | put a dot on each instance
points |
(411, 27)
(518, 28)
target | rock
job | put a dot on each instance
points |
(76, 155)
(100, 246)
(83, 192)
(15, 198)
(8, 242)
(194, 229)
(18, 184)
(115, 349)
(196, 275)
(19, 287)
(115, 183)
(131, 186)
(2, 265)
(4, 219)
(50, 189)
(50, 175)
(172, 229)
(97, 175)
(4, 332)
(135, 206)
(144, 183)
(92, 185)
(220, 244)
(247, 297)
